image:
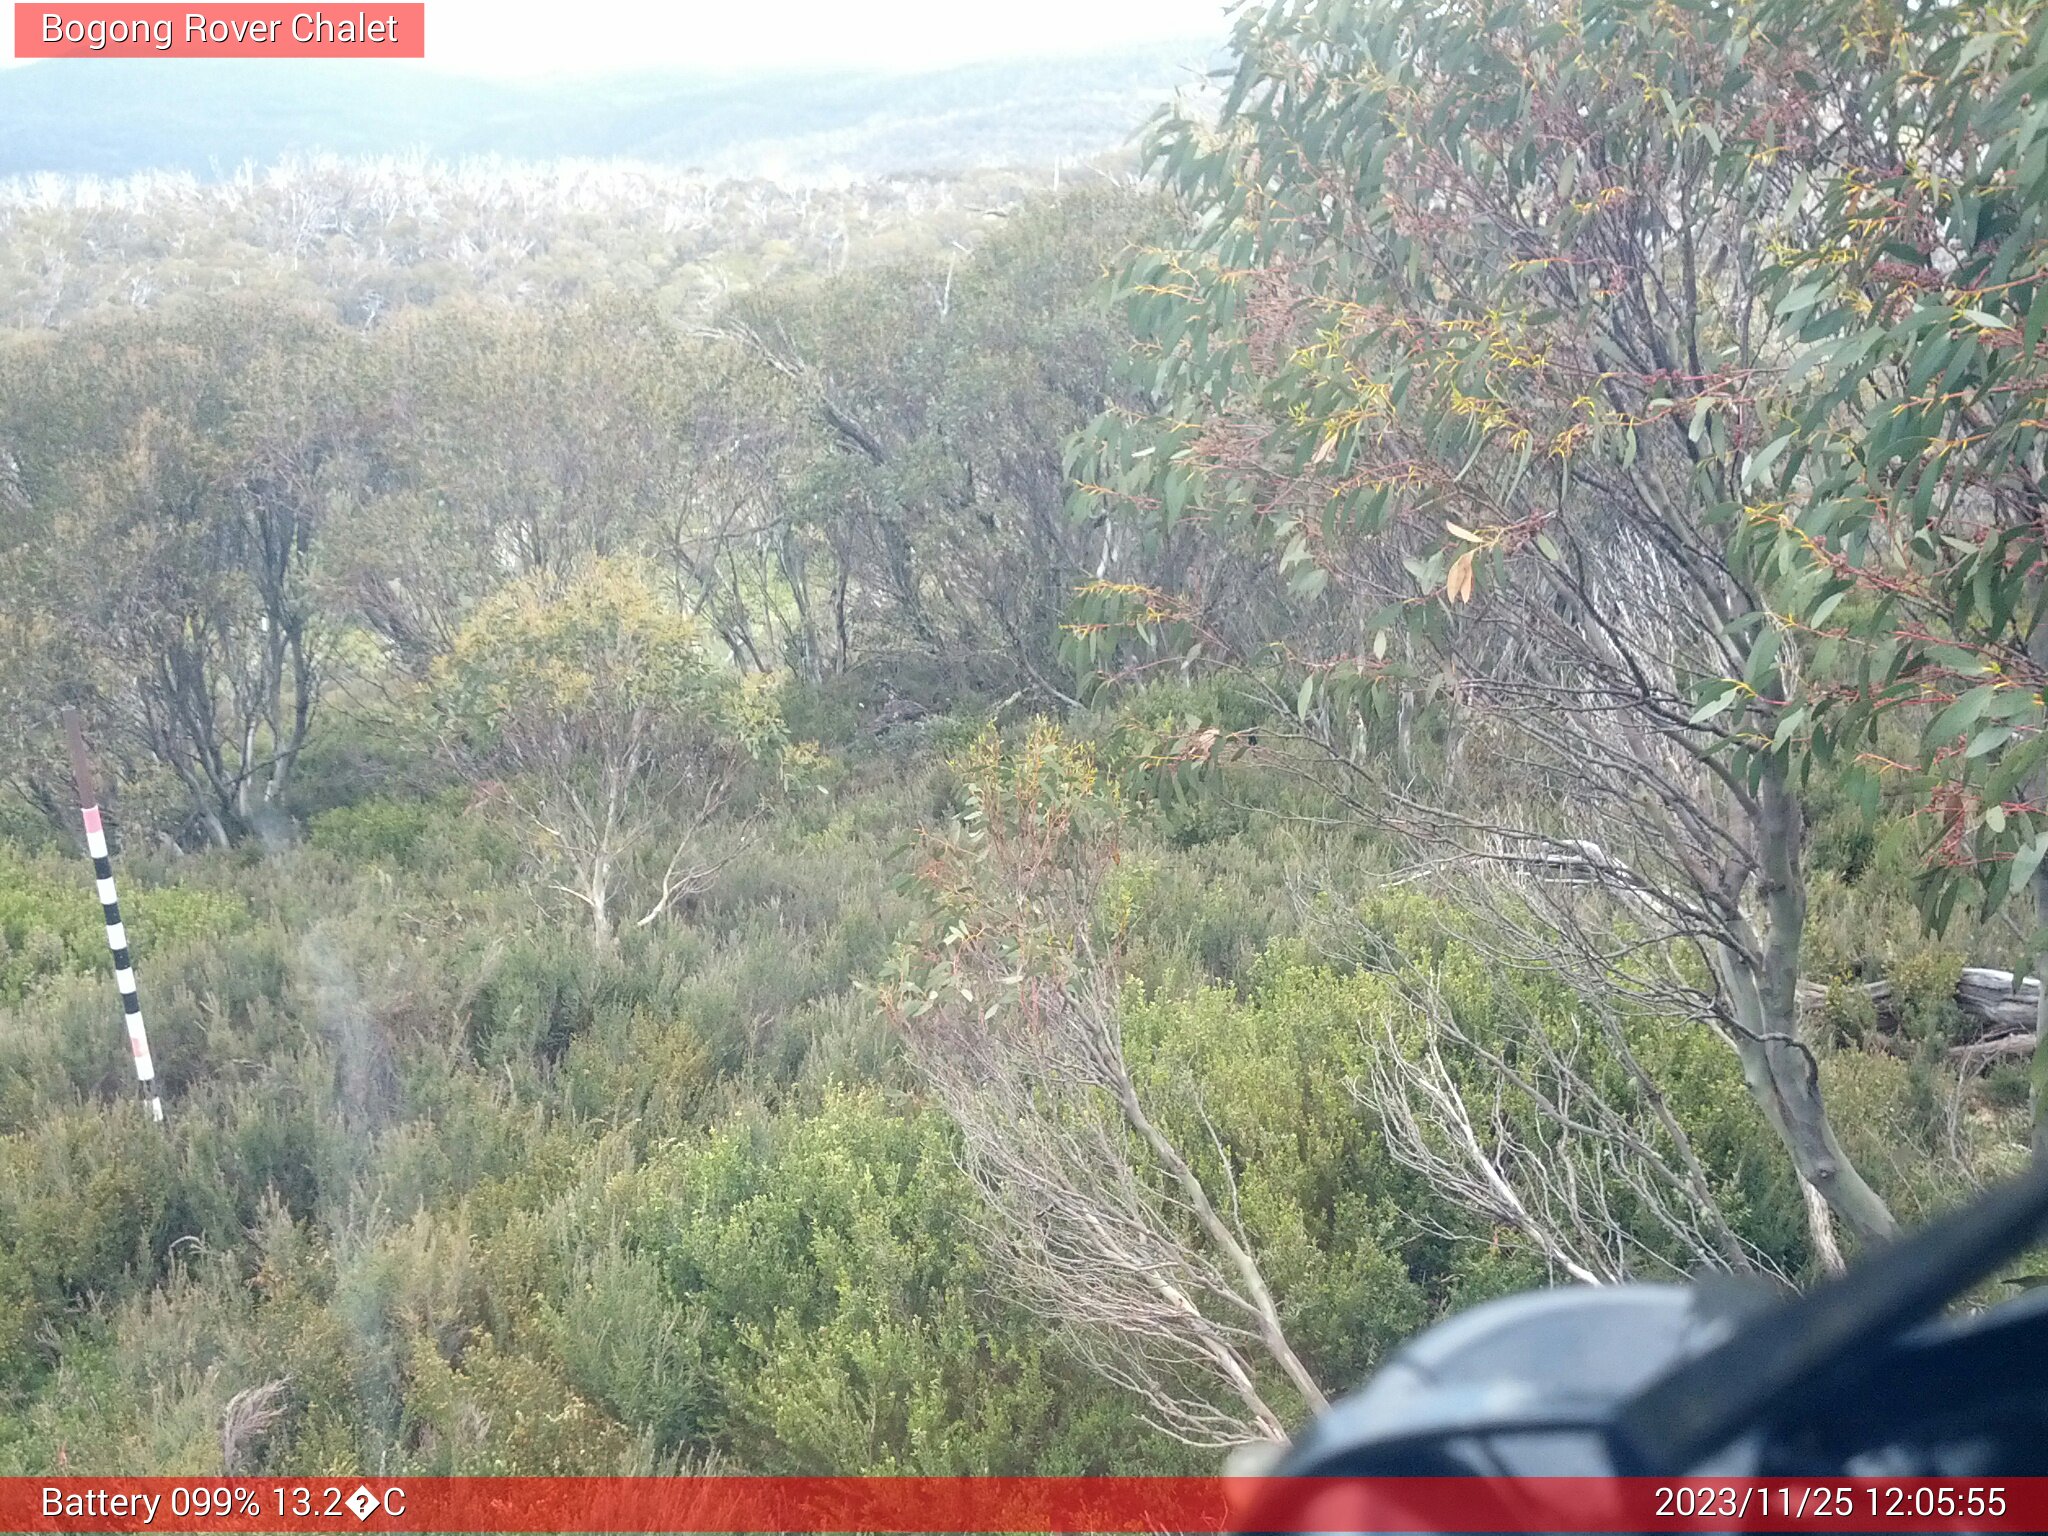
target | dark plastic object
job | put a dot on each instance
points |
(1720, 1379)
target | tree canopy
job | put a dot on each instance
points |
(1490, 340)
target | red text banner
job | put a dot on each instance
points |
(968, 1504)
(104, 31)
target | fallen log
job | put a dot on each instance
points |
(1985, 1053)
(2001, 1012)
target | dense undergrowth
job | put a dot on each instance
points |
(493, 1199)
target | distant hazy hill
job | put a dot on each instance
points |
(114, 117)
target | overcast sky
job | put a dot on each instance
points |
(537, 37)
(526, 36)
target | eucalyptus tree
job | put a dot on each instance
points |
(522, 441)
(1899, 494)
(1475, 350)
(172, 482)
(593, 715)
(926, 528)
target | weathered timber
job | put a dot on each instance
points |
(2000, 1014)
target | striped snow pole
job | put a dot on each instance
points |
(117, 935)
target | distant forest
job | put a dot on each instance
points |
(114, 117)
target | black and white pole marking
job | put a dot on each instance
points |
(117, 935)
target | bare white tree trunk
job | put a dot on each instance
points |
(1101, 1224)
(1603, 1188)
(1820, 1228)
